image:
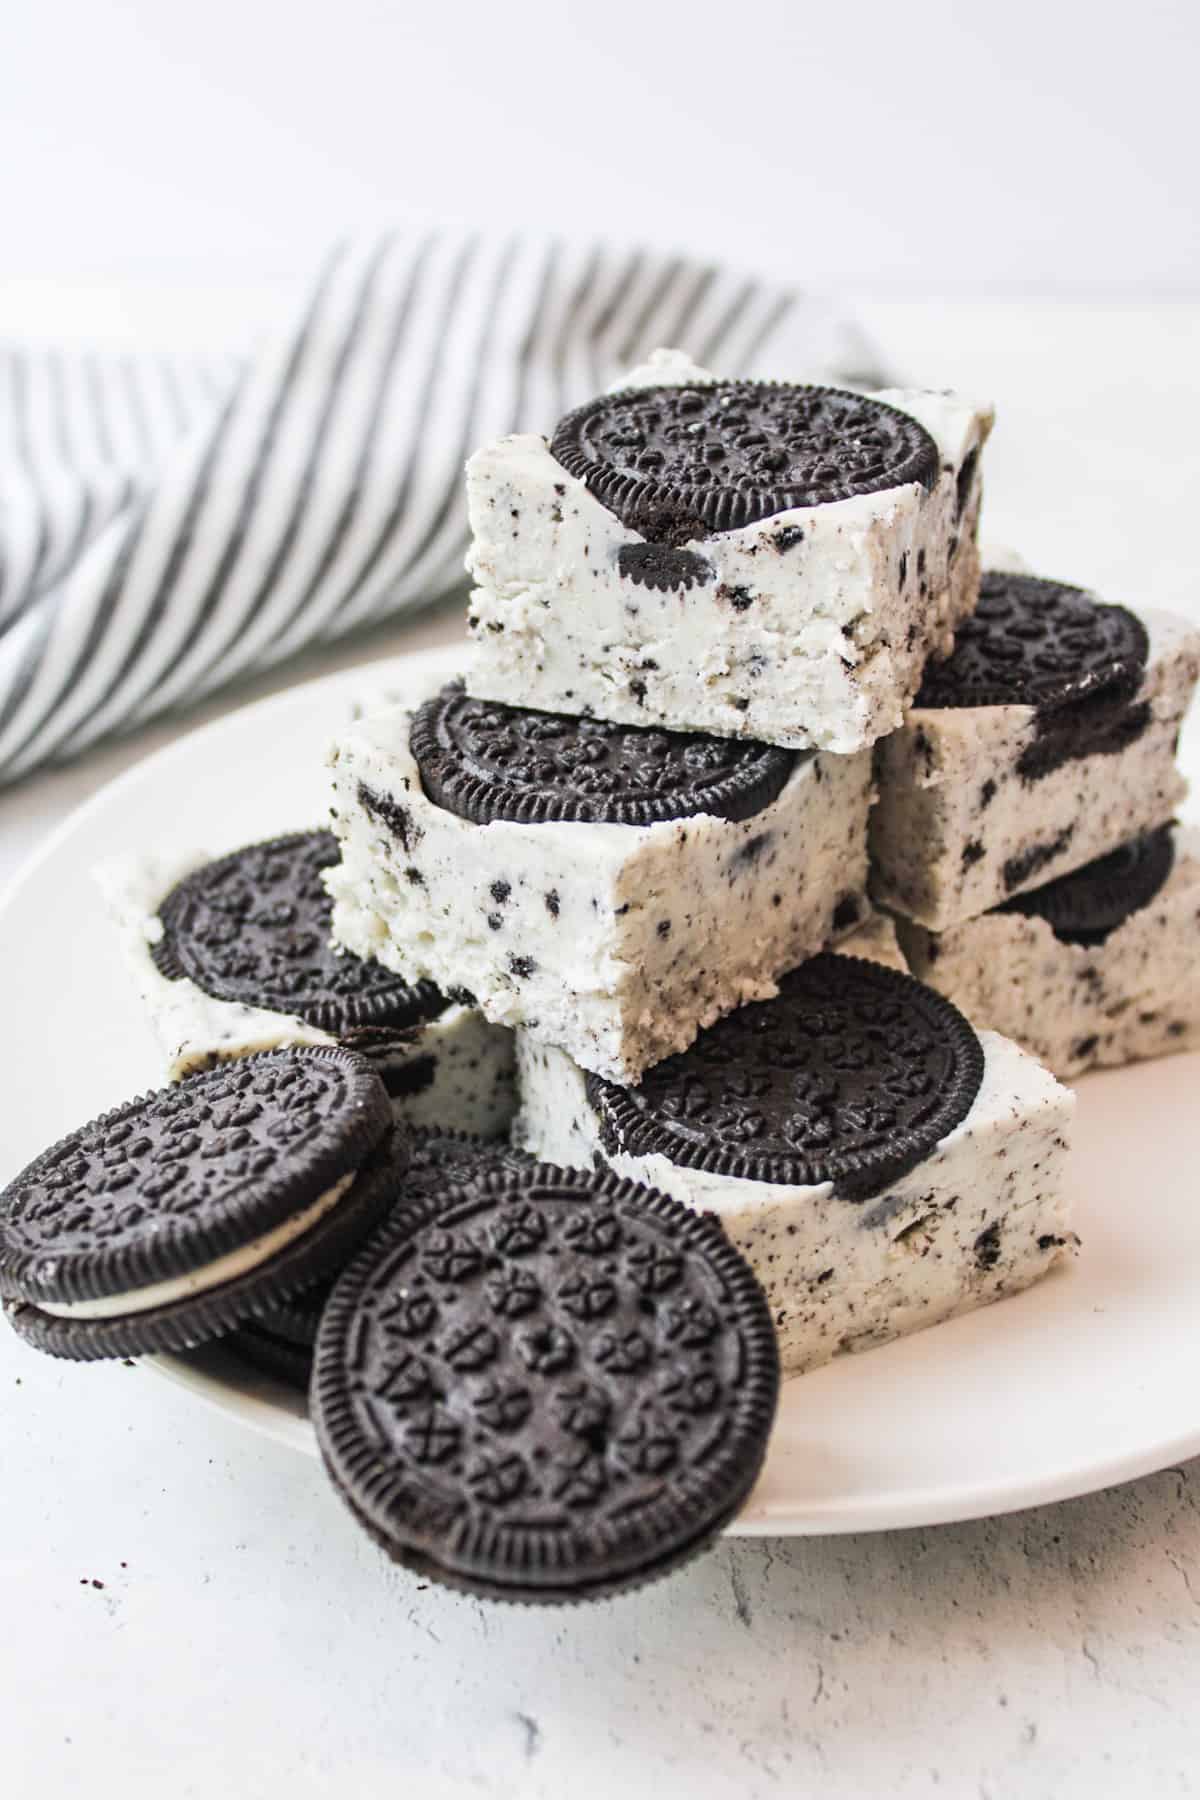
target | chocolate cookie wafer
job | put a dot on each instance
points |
(548, 1386)
(169, 1220)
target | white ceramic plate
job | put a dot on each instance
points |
(1088, 1379)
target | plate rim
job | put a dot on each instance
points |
(908, 1509)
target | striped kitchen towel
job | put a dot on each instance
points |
(169, 525)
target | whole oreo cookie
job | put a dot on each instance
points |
(428, 1162)
(546, 1387)
(168, 1221)
(851, 1075)
(1085, 906)
(255, 927)
(484, 761)
(1038, 643)
(677, 463)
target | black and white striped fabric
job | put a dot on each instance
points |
(166, 526)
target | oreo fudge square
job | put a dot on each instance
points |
(747, 559)
(881, 1165)
(1097, 968)
(610, 888)
(235, 955)
(1047, 739)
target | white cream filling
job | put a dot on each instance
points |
(211, 1275)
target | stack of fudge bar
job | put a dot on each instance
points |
(1023, 835)
(745, 743)
(636, 832)
(680, 996)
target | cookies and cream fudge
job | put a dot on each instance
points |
(1098, 968)
(748, 559)
(611, 889)
(234, 956)
(880, 1164)
(1047, 739)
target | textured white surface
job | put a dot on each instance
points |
(256, 1645)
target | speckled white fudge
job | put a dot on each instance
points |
(616, 942)
(1077, 1006)
(983, 1216)
(957, 828)
(812, 628)
(455, 1071)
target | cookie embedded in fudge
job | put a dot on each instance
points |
(1045, 740)
(881, 1165)
(235, 955)
(1097, 968)
(748, 559)
(611, 888)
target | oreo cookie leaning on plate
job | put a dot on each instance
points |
(1038, 643)
(547, 1386)
(428, 1163)
(255, 927)
(678, 463)
(1085, 906)
(484, 761)
(168, 1221)
(852, 1075)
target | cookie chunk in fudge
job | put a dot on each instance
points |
(1047, 739)
(235, 955)
(881, 1165)
(1097, 968)
(612, 889)
(747, 559)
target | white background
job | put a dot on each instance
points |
(942, 148)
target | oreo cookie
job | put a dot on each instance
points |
(547, 1386)
(485, 761)
(281, 1341)
(171, 1219)
(255, 927)
(428, 1162)
(1039, 643)
(1087, 905)
(678, 463)
(852, 1075)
